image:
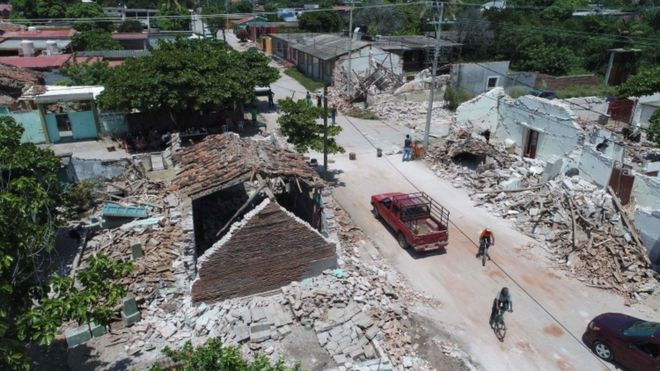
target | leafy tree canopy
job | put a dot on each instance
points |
(130, 26)
(94, 40)
(212, 356)
(243, 6)
(320, 22)
(96, 73)
(86, 12)
(29, 195)
(298, 122)
(173, 24)
(646, 82)
(653, 133)
(185, 76)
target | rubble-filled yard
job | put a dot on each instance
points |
(360, 315)
(583, 226)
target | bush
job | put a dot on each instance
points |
(454, 97)
(213, 356)
(653, 132)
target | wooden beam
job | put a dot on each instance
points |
(240, 210)
(629, 224)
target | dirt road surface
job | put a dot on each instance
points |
(551, 310)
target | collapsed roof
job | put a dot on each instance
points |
(223, 160)
(14, 81)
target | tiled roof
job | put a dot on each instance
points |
(42, 61)
(8, 26)
(40, 34)
(14, 80)
(223, 159)
(130, 36)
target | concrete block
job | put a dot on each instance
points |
(77, 335)
(129, 312)
(136, 251)
(241, 333)
(98, 330)
(259, 333)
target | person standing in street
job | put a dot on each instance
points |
(308, 98)
(319, 100)
(407, 149)
(333, 114)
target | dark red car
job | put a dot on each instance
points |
(630, 342)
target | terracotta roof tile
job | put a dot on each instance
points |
(223, 159)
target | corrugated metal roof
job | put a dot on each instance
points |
(115, 54)
(130, 36)
(40, 34)
(322, 46)
(55, 93)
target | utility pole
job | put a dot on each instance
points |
(325, 131)
(436, 52)
(224, 37)
(350, 47)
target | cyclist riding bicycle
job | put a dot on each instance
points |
(502, 303)
(486, 239)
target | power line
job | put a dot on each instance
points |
(518, 284)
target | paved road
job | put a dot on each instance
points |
(551, 310)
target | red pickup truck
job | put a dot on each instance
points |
(418, 221)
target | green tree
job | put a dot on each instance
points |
(549, 59)
(212, 356)
(243, 6)
(320, 21)
(298, 122)
(181, 23)
(646, 82)
(130, 26)
(96, 73)
(91, 297)
(29, 195)
(185, 76)
(94, 40)
(653, 132)
(85, 13)
(41, 8)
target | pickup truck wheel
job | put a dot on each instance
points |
(375, 212)
(402, 241)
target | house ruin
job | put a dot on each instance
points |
(256, 213)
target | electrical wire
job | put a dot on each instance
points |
(515, 281)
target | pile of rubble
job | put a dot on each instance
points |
(585, 227)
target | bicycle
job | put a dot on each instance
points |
(483, 251)
(498, 325)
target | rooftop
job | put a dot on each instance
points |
(56, 93)
(42, 61)
(115, 54)
(15, 44)
(130, 36)
(409, 42)
(14, 80)
(40, 34)
(322, 46)
(226, 159)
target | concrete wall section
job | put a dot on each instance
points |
(647, 222)
(51, 124)
(595, 167)
(31, 122)
(83, 125)
(588, 110)
(113, 123)
(88, 169)
(481, 112)
(554, 121)
(270, 248)
(646, 191)
(473, 77)
(366, 59)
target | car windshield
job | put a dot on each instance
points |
(641, 329)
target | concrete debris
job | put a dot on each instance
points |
(573, 219)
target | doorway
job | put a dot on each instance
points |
(64, 126)
(532, 143)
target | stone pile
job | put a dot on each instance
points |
(578, 222)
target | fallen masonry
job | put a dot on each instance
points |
(573, 219)
(353, 315)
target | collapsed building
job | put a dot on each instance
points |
(566, 179)
(257, 216)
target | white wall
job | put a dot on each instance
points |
(646, 191)
(360, 60)
(481, 112)
(644, 108)
(588, 109)
(558, 133)
(595, 167)
(648, 223)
